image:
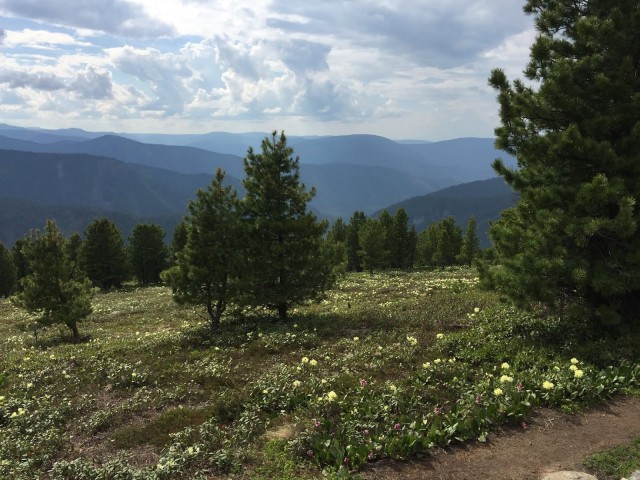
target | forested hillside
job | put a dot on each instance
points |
(484, 199)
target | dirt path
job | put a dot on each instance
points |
(552, 441)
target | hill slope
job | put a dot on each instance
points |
(484, 199)
(18, 217)
(96, 182)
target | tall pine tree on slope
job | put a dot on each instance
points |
(53, 289)
(288, 261)
(576, 135)
(210, 262)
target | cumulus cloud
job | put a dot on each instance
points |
(3, 35)
(440, 33)
(93, 84)
(283, 77)
(36, 81)
(164, 72)
(118, 17)
(304, 56)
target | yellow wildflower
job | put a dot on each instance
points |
(440, 335)
(497, 392)
(296, 383)
(547, 385)
(331, 396)
(578, 373)
(505, 366)
(313, 362)
(506, 379)
(574, 361)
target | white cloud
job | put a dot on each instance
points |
(42, 39)
(93, 84)
(118, 17)
(399, 68)
(163, 72)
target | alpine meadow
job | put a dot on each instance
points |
(324, 306)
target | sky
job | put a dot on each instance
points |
(403, 69)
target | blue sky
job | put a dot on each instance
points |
(397, 68)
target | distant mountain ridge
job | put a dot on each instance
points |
(342, 188)
(350, 172)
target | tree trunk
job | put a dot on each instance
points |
(74, 330)
(282, 311)
(214, 315)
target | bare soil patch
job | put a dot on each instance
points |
(551, 442)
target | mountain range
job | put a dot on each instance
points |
(107, 172)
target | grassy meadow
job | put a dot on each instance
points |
(389, 365)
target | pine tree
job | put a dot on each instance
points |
(470, 244)
(338, 232)
(73, 249)
(103, 255)
(7, 272)
(385, 260)
(403, 245)
(353, 241)
(427, 243)
(288, 259)
(373, 242)
(412, 254)
(210, 263)
(20, 262)
(448, 243)
(53, 289)
(147, 252)
(576, 135)
(337, 240)
(179, 240)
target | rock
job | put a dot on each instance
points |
(568, 476)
